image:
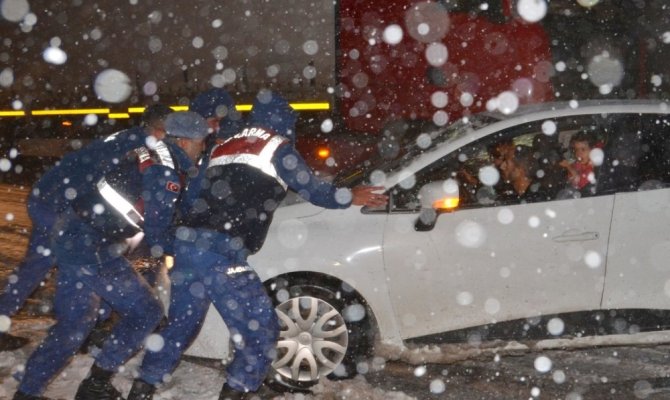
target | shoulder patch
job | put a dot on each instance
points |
(173, 187)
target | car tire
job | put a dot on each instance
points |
(334, 331)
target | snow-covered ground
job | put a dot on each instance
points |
(191, 380)
(514, 361)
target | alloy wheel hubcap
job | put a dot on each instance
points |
(313, 339)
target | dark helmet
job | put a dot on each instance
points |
(213, 103)
(271, 110)
(188, 125)
(155, 113)
(218, 103)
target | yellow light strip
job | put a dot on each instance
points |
(295, 106)
(74, 111)
(12, 113)
(310, 106)
(118, 115)
(137, 110)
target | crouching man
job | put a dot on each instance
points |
(139, 194)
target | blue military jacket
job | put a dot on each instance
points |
(246, 179)
(136, 193)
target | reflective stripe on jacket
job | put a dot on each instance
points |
(116, 207)
(254, 147)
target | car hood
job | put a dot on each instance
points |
(296, 207)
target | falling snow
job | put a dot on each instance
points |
(382, 74)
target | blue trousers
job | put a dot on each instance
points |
(38, 260)
(79, 292)
(200, 278)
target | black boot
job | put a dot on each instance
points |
(141, 390)
(10, 342)
(228, 393)
(22, 396)
(263, 392)
(276, 386)
(97, 337)
(98, 386)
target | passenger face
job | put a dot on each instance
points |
(502, 152)
(507, 167)
(497, 158)
(581, 151)
(513, 169)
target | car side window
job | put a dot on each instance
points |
(473, 166)
(619, 170)
(488, 170)
(628, 152)
(654, 163)
(637, 155)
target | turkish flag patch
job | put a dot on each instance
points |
(173, 186)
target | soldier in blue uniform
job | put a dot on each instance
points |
(247, 177)
(137, 194)
(53, 193)
(218, 108)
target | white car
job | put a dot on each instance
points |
(342, 279)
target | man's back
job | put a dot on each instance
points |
(78, 171)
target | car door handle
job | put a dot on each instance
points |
(572, 236)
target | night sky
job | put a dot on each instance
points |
(166, 49)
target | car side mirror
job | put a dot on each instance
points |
(436, 198)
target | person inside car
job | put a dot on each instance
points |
(547, 154)
(580, 171)
(499, 152)
(521, 173)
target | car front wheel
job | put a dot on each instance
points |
(323, 332)
(313, 339)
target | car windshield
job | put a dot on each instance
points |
(415, 143)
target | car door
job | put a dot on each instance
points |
(486, 261)
(638, 271)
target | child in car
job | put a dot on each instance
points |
(580, 171)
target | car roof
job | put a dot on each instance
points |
(524, 114)
(592, 105)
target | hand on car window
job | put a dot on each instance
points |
(366, 196)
